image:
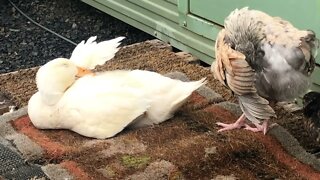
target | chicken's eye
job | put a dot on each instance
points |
(260, 53)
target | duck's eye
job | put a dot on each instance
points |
(65, 65)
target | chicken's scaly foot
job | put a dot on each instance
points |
(259, 128)
(236, 125)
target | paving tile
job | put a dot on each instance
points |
(55, 171)
(29, 149)
(13, 166)
(293, 147)
(9, 160)
(26, 172)
(232, 107)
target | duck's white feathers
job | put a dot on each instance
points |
(91, 107)
(102, 105)
(90, 54)
(166, 94)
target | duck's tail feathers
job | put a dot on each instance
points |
(165, 108)
(90, 54)
(190, 87)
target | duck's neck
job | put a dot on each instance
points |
(50, 95)
(50, 98)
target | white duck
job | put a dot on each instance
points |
(101, 105)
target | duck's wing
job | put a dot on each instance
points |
(90, 53)
(232, 69)
(102, 111)
(167, 95)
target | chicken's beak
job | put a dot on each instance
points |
(83, 72)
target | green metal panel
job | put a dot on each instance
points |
(205, 17)
(316, 76)
(192, 25)
(195, 23)
(135, 13)
(315, 87)
(160, 7)
(175, 2)
(304, 15)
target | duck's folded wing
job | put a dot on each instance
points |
(232, 69)
(105, 112)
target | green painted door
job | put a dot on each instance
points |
(193, 25)
(303, 14)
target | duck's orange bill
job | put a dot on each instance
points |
(83, 72)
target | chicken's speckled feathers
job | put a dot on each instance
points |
(260, 57)
(232, 68)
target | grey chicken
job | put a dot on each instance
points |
(262, 58)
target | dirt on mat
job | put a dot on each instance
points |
(189, 141)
